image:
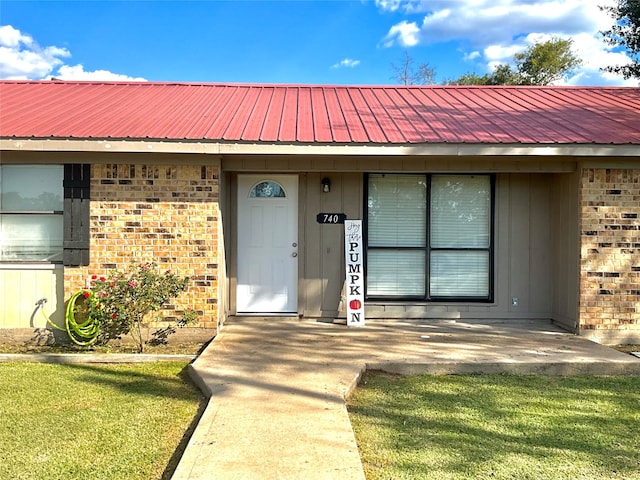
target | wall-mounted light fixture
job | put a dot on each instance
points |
(326, 184)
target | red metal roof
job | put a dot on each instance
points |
(303, 114)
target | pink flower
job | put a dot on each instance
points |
(132, 284)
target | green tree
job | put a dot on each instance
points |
(546, 62)
(406, 73)
(504, 75)
(540, 64)
(501, 75)
(471, 78)
(625, 33)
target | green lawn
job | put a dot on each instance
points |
(93, 422)
(497, 427)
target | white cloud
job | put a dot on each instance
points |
(500, 28)
(595, 56)
(470, 56)
(389, 5)
(21, 58)
(10, 37)
(501, 53)
(487, 21)
(77, 72)
(347, 62)
(405, 33)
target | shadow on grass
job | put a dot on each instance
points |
(184, 441)
(468, 425)
(138, 383)
(129, 381)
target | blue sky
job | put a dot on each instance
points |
(311, 42)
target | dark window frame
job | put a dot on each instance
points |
(490, 298)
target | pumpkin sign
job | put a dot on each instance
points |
(354, 272)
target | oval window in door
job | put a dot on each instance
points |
(267, 189)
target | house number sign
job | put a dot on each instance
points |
(354, 272)
(331, 218)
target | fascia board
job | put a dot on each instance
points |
(214, 148)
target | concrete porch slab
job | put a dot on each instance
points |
(277, 385)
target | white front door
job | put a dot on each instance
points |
(267, 244)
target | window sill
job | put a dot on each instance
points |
(30, 265)
(431, 303)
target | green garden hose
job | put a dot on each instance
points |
(83, 333)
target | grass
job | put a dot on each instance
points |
(497, 427)
(120, 422)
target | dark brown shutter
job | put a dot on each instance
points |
(76, 214)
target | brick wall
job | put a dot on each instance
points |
(168, 214)
(610, 251)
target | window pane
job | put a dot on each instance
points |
(31, 237)
(460, 211)
(459, 274)
(31, 187)
(397, 211)
(395, 273)
(267, 190)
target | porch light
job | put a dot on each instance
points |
(326, 184)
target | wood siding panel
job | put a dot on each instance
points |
(332, 244)
(20, 289)
(312, 283)
(565, 250)
(409, 163)
(324, 244)
(519, 246)
(541, 245)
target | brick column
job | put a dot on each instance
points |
(610, 252)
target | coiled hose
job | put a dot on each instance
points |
(81, 333)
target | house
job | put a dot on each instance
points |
(476, 202)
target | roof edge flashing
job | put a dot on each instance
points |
(312, 149)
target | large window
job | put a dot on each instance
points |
(429, 237)
(31, 213)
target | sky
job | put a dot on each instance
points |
(292, 42)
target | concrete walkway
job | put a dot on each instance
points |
(277, 386)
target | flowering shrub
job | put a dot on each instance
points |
(121, 302)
